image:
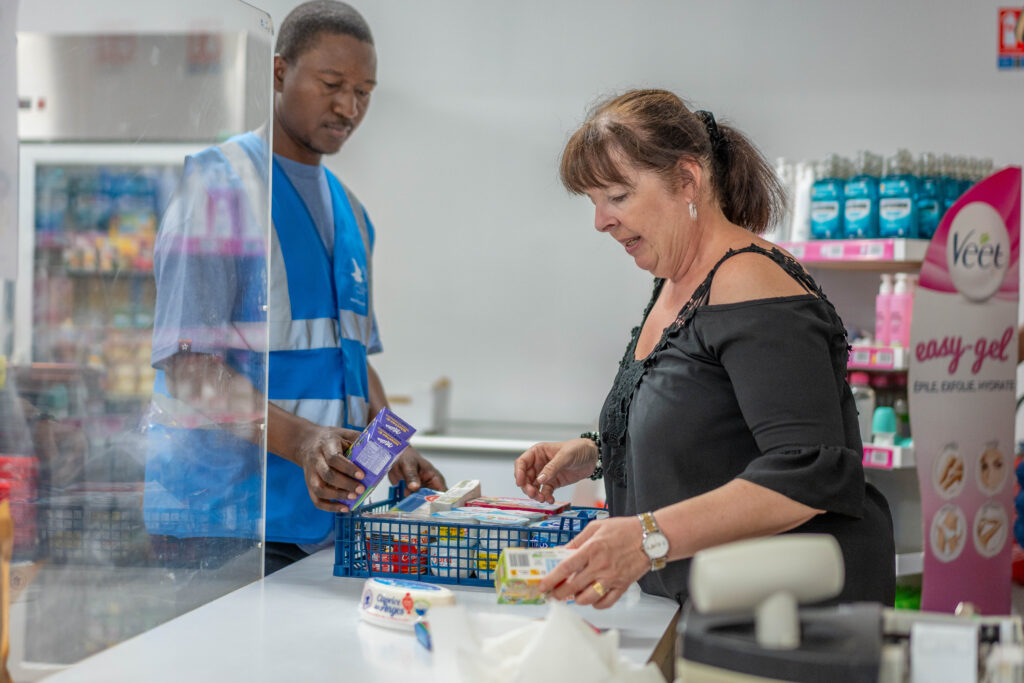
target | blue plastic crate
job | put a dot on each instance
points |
(433, 551)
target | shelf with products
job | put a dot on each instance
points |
(875, 255)
(94, 252)
(76, 310)
(83, 331)
(120, 354)
(124, 272)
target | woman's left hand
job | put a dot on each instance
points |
(609, 553)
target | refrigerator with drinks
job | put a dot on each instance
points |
(111, 101)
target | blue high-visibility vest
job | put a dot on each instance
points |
(320, 324)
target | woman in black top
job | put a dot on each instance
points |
(730, 416)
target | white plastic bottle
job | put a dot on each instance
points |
(883, 309)
(786, 173)
(800, 230)
(901, 309)
(864, 399)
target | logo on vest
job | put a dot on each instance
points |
(357, 294)
(978, 251)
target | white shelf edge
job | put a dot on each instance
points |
(912, 250)
(909, 563)
(470, 444)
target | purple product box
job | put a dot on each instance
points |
(377, 448)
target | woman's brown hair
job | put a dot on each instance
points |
(654, 130)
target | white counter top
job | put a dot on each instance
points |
(302, 623)
(473, 444)
(483, 437)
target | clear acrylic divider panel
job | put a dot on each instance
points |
(132, 406)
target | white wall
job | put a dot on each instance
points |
(490, 273)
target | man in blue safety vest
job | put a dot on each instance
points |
(203, 472)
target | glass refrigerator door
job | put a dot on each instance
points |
(89, 219)
(134, 477)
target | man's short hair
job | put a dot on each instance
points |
(304, 24)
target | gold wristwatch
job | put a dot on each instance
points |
(654, 543)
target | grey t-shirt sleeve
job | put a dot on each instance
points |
(375, 344)
(778, 359)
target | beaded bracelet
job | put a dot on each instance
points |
(596, 438)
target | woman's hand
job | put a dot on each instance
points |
(609, 553)
(548, 466)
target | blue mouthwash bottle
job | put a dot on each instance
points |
(827, 199)
(929, 196)
(967, 173)
(950, 184)
(897, 208)
(979, 170)
(985, 168)
(860, 213)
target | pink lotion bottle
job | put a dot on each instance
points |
(883, 308)
(900, 311)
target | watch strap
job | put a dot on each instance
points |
(650, 526)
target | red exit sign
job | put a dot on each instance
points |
(1009, 33)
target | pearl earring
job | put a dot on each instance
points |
(693, 211)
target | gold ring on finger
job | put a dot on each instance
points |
(598, 588)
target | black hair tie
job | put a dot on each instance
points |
(708, 119)
(719, 145)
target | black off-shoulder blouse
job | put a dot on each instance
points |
(753, 390)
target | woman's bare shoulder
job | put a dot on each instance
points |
(750, 276)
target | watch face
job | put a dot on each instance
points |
(655, 545)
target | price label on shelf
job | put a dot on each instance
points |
(884, 358)
(832, 251)
(877, 457)
(797, 250)
(871, 250)
(859, 356)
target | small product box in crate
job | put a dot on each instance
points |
(460, 546)
(394, 547)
